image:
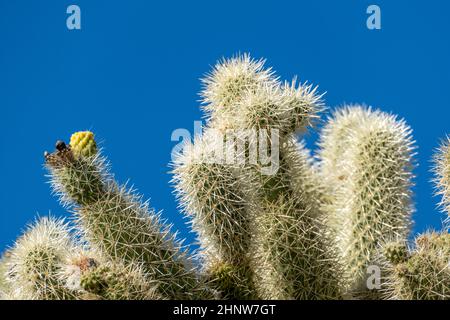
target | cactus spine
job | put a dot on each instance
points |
(289, 234)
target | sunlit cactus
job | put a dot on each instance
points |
(371, 157)
(115, 281)
(442, 172)
(287, 224)
(76, 179)
(334, 144)
(422, 273)
(291, 234)
(288, 107)
(229, 81)
(116, 221)
(36, 261)
(5, 286)
(217, 201)
(272, 219)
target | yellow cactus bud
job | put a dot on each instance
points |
(83, 144)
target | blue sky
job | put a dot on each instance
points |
(131, 75)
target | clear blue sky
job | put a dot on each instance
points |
(131, 75)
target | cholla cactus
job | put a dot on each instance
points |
(4, 285)
(442, 171)
(117, 222)
(272, 221)
(36, 260)
(217, 202)
(367, 158)
(282, 215)
(115, 281)
(229, 81)
(420, 274)
(291, 234)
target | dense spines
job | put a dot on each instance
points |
(293, 256)
(5, 286)
(287, 263)
(334, 144)
(262, 230)
(118, 223)
(372, 195)
(442, 173)
(37, 259)
(115, 281)
(288, 221)
(229, 81)
(263, 108)
(395, 252)
(303, 105)
(75, 266)
(216, 200)
(126, 229)
(423, 273)
(232, 281)
(77, 180)
(288, 108)
(289, 251)
(238, 94)
(92, 277)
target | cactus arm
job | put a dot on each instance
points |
(297, 256)
(372, 199)
(422, 273)
(216, 201)
(5, 286)
(286, 222)
(117, 222)
(37, 259)
(115, 281)
(442, 176)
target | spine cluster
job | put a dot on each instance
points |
(420, 273)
